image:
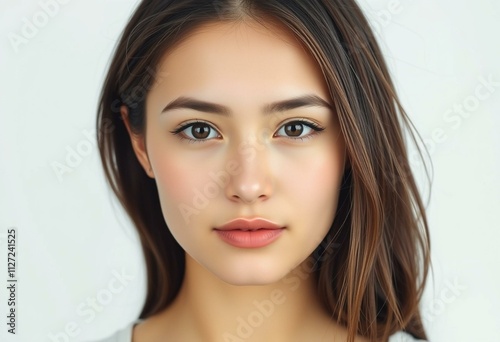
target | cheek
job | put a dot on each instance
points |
(312, 186)
(176, 181)
(313, 180)
(185, 189)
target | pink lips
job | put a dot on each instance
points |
(249, 233)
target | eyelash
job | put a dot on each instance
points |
(314, 126)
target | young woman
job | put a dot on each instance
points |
(258, 148)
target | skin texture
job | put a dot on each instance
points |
(262, 172)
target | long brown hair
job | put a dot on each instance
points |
(374, 275)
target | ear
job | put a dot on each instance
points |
(138, 144)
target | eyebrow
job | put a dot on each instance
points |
(310, 100)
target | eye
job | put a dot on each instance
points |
(197, 131)
(299, 129)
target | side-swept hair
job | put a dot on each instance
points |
(373, 278)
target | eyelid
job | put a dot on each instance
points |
(313, 124)
(188, 123)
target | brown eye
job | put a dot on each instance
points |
(294, 129)
(200, 130)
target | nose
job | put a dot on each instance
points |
(253, 179)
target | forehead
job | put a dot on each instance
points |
(243, 56)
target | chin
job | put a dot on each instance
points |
(250, 281)
(251, 275)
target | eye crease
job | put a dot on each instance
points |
(200, 131)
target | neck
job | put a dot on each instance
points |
(212, 310)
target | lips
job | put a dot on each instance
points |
(253, 233)
(244, 224)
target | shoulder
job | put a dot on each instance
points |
(402, 336)
(122, 335)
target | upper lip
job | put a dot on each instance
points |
(246, 224)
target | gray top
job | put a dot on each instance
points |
(125, 335)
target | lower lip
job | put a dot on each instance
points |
(249, 238)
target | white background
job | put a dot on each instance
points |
(73, 239)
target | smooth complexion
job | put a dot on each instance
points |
(277, 169)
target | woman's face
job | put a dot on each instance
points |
(243, 157)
